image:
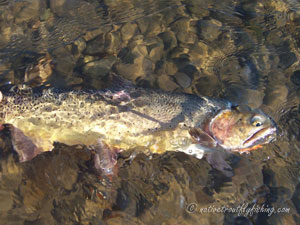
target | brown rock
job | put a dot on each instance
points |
(183, 80)
(127, 31)
(166, 83)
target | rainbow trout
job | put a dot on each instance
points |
(131, 118)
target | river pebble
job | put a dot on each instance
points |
(209, 29)
(183, 80)
(166, 83)
(295, 78)
(99, 68)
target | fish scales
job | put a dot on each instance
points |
(147, 118)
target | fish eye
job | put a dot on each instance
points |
(257, 124)
(257, 121)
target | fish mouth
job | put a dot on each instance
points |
(262, 136)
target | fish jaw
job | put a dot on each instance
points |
(263, 136)
(247, 150)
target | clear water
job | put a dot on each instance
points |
(244, 51)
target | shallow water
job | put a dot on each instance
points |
(243, 51)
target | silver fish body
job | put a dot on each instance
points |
(133, 118)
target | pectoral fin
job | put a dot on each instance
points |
(203, 138)
(217, 161)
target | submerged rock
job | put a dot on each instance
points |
(169, 39)
(151, 27)
(165, 67)
(295, 78)
(156, 51)
(287, 59)
(99, 68)
(183, 80)
(127, 31)
(209, 29)
(185, 33)
(38, 74)
(276, 97)
(27, 11)
(166, 83)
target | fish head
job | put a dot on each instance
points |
(242, 129)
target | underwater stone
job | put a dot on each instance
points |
(95, 46)
(156, 51)
(165, 67)
(169, 39)
(112, 42)
(26, 11)
(209, 29)
(208, 86)
(182, 30)
(56, 6)
(80, 44)
(64, 62)
(100, 67)
(295, 78)
(127, 31)
(90, 35)
(287, 59)
(276, 95)
(183, 80)
(130, 71)
(150, 27)
(197, 8)
(166, 83)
